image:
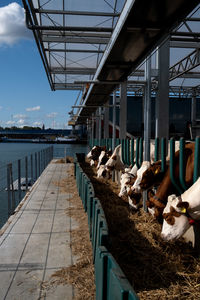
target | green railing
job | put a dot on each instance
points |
(132, 153)
(111, 282)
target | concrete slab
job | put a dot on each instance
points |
(35, 242)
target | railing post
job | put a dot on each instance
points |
(19, 179)
(31, 169)
(36, 166)
(26, 172)
(39, 163)
(12, 188)
(8, 189)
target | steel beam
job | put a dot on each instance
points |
(69, 28)
(83, 71)
(73, 50)
(74, 40)
(186, 64)
(75, 12)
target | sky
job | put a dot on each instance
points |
(25, 95)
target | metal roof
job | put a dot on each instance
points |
(71, 36)
(104, 41)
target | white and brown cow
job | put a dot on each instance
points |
(181, 212)
(94, 154)
(127, 180)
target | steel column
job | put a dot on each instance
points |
(123, 110)
(114, 121)
(147, 109)
(162, 100)
(106, 122)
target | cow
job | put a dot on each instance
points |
(147, 176)
(181, 212)
(103, 158)
(156, 202)
(94, 154)
(127, 180)
(115, 161)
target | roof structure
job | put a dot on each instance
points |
(104, 42)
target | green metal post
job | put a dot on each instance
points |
(196, 160)
(132, 152)
(156, 149)
(182, 164)
(137, 153)
(172, 156)
(163, 154)
(128, 151)
(141, 152)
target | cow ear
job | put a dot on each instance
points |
(183, 205)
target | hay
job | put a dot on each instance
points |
(64, 160)
(156, 269)
(81, 274)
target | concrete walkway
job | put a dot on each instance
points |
(35, 242)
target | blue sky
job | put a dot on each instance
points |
(25, 94)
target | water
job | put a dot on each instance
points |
(11, 152)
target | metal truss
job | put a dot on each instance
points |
(185, 65)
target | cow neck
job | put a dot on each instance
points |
(165, 188)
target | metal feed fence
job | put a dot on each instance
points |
(132, 153)
(17, 177)
(108, 273)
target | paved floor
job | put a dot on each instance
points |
(36, 243)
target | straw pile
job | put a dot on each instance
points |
(156, 269)
(64, 160)
(81, 274)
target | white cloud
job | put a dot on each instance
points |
(52, 115)
(36, 108)
(10, 122)
(37, 124)
(20, 116)
(12, 24)
(21, 122)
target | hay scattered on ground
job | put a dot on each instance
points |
(156, 269)
(64, 160)
(81, 273)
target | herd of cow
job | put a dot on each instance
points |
(176, 212)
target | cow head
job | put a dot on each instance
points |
(95, 152)
(127, 179)
(175, 220)
(136, 187)
(134, 198)
(151, 176)
(102, 172)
